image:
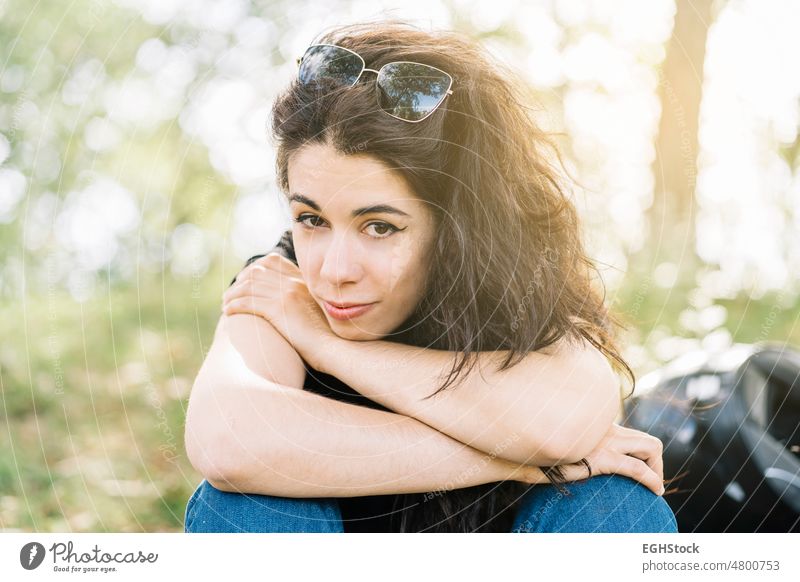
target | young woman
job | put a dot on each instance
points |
(424, 350)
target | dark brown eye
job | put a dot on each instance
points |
(383, 229)
(304, 217)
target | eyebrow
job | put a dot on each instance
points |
(374, 209)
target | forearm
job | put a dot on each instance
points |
(547, 403)
(288, 442)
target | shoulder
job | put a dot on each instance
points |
(284, 246)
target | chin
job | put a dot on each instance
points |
(355, 335)
(352, 332)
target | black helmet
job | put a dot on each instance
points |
(730, 424)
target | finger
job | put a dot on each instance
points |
(640, 445)
(233, 307)
(259, 272)
(242, 280)
(248, 287)
(649, 449)
(241, 305)
(256, 270)
(652, 459)
(270, 263)
(639, 471)
(658, 458)
(277, 262)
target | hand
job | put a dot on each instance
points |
(624, 451)
(272, 287)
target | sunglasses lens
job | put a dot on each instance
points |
(411, 91)
(330, 62)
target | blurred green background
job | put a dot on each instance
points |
(136, 177)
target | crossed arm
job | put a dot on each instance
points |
(554, 406)
(247, 433)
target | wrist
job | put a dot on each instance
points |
(534, 475)
(326, 353)
(510, 471)
(531, 474)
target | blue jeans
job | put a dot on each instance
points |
(602, 504)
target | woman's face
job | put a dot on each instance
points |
(361, 236)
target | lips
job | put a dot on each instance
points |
(350, 311)
(345, 305)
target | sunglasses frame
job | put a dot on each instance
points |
(378, 72)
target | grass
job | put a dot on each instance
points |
(94, 398)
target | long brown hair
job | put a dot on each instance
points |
(508, 267)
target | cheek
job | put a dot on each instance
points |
(402, 265)
(402, 273)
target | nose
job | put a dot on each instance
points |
(341, 262)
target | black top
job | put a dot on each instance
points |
(359, 514)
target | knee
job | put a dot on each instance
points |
(211, 510)
(604, 503)
(632, 507)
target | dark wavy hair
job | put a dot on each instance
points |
(510, 268)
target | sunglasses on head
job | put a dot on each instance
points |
(406, 90)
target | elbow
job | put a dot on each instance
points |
(213, 467)
(575, 449)
(572, 423)
(540, 448)
(223, 435)
(209, 443)
(585, 426)
(210, 458)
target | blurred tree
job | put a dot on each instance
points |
(680, 92)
